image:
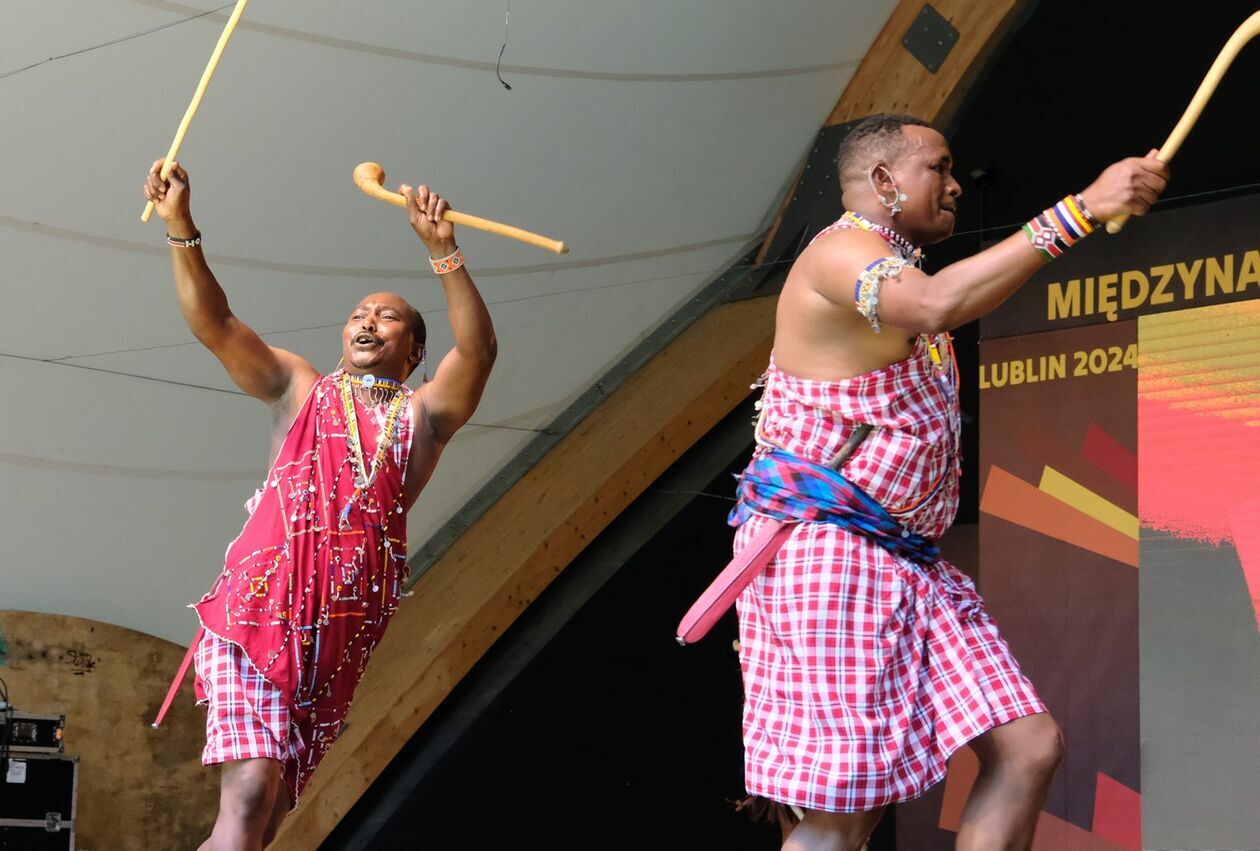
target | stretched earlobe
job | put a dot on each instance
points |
(893, 206)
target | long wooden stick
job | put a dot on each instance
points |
(1249, 29)
(196, 100)
(369, 176)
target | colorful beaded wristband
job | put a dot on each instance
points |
(866, 290)
(449, 263)
(184, 243)
(1058, 228)
(1089, 217)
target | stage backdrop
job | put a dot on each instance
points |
(1120, 528)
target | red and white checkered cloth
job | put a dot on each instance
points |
(304, 601)
(864, 672)
(247, 717)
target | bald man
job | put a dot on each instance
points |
(867, 659)
(314, 577)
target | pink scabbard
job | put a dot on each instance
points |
(179, 679)
(722, 592)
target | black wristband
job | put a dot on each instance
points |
(184, 243)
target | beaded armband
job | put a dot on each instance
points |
(1060, 227)
(449, 263)
(866, 290)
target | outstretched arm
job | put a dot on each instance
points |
(449, 400)
(260, 370)
(974, 286)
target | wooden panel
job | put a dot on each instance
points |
(139, 788)
(891, 80)
(497, 568)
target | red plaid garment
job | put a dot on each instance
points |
(247, 717)
(911, 453)
(305, 598)
(863, 672)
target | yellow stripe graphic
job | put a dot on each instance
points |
(1085, 500)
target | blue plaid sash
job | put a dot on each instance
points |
(790, 488)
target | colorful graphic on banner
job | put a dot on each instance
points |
(1104, 447)
(1120, 485)
(1058, 551)
(1199, 410)
(1198, 466)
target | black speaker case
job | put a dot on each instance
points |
(38, 814)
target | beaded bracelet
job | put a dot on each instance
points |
(1058, 228)
(449, 263)
(866, 290)
(184, 243)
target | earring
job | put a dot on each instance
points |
(894, 206)
(424, 365)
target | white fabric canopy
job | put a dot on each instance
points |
(655, 137)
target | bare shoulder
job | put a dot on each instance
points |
(843, 251)
(831, 264)
(819, 331)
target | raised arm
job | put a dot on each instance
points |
(260, 370)
(449, 400)
(970, 288)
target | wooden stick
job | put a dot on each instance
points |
(196, 100)
(1249, 29)
(369, 176)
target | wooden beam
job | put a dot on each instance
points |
(501, 564)
(891, 80)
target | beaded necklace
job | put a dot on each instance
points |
(379, 391)
(905, 249)
(946, 369)
(363, 476)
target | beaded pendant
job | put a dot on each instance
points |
(365, 475)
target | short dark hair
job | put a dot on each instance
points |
(875, 137)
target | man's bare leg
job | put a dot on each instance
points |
(249, 792)
(1017, 763)
(278, 812)
(821, 831)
